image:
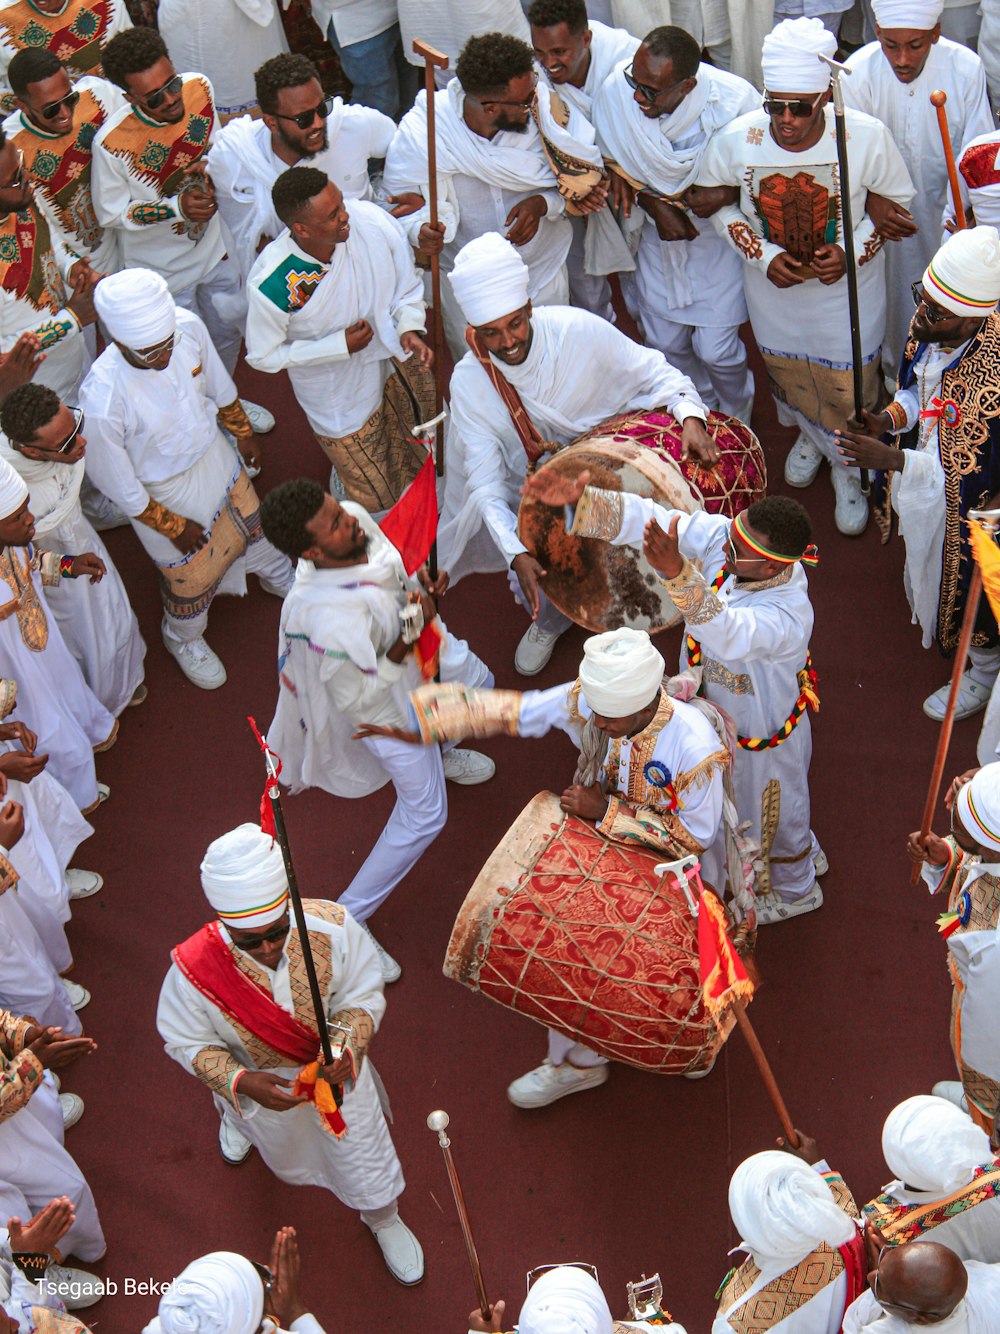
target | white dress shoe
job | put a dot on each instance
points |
(83, 883)
(773, 908)
(139, 695)
(820, 863)
(403, 1254)
(467, 767)
(972, 698)
(78, 996)
(233, 1144)
(951, 1090)
(103, 792)
(74, 1287)
(337, 489)
(803, 463)
(391, 971)
(534, 650)
(72, 1109)
(851, 511)
(548, 1083)
(199, 664)
(259, 418)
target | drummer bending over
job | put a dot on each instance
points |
(649, 771)
(537, 381)
(742, 590)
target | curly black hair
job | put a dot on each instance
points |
(676, 45)
(131, 52)
(550, 13)
(783, 523)
(32, 64)
(285, 511)
(488, 63)
(25, 410)
(294, 188)
(285, 71)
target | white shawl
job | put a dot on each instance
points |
(54, 487)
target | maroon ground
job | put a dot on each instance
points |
(854, 1013)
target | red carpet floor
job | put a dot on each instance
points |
(632, 1176)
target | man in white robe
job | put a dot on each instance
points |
(548, 359)
(892, 79)
(784, 162)
(243, 1041)
(567, 1298)
(226, 41)
(347, 656)
(448, 24)
(947, 1180)
(654, 119)
(927, 1285)
(43, 441)
(154, 400)
(337, 302)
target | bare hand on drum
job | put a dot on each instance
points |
(549, 488)
(662, 549)
(589, 803)
(807, 1148)
(528, 573)
(393, 733)
(696, 441)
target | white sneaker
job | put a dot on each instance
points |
(972, 698)
(77, 1288)
(820, 863)
(79, 997)
(103, 792)
(548, 1083)
(802, 463)
(951, 1090)
(403, 1255)
(233, 1144)
(72, 1109)
(772, 908)
(391, 971)
(260, 419)
(467, 767)
(139, 695)
(83, 883)
(199, 664)
(851, 512)
(534, 650)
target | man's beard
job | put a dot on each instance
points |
(503, 122)
(297, 148)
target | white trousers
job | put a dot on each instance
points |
(219, 299)
(713, 356)
(550, 619)
(586, 290)
(29, 984)
(563, 1049)
(263, 560)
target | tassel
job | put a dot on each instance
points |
(312, 1084)
(948, 923)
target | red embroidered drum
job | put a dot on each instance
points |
(579, 933)
(601, 586)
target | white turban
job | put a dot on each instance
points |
(930, 1144)
(791, 57)
(136, 307)
(978, 806)
(923, 14)
(621, 672)
(220, 1293)
(13, 491)
(964, 275)
(489, 279)
(243, 876)
(566, 1300)
(782, 1208)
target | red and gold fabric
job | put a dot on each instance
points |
(28, 267)
(20, 1071)
(75, 35)
(59, 167)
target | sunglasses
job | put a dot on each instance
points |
(523, 106)
(249, 943)
(935, 315)
(18, 180)
(70, 440)
(800, 107)
(534, 1274)
(149, 355)
(650, 93)
(51, 109)
(305, 118)
(159, 95)
(265, 1276)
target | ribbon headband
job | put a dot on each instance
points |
(809, 557)
(253, 912)
(990, 837)
(937, 284)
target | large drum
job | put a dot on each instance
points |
(601, 586)
(579, 933)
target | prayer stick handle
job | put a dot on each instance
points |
(430, 55)
(766, 1073)
(438, 1122)
(938, 99)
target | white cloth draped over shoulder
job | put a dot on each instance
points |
(609, 47)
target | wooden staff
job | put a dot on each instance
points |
(938, 98)
(766, 1073)
(438, 1122)
(434, 59)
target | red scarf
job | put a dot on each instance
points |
(855, 1268)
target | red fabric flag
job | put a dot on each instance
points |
(723, 977)
(411, 524)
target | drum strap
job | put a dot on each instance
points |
(528, 433)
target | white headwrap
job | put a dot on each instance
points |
(923, 14)
(220, 1293)
(244, 879)
(621, 672)
(930, 1144)
(790, 58)
(566, 1300)
(782, 1208)
(136, 307)
(978, 806)
(13, 492)
(490, 279)
(964, 275)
